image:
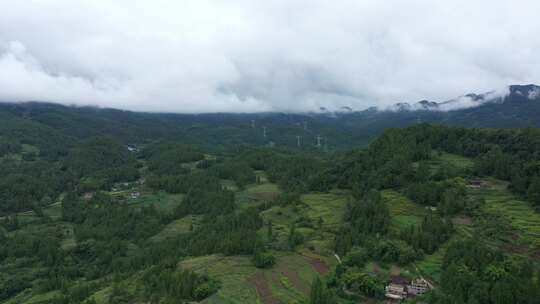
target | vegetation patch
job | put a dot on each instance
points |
(161, 200)
(327, 207)
(403, 211)
(522, 217)
(184, 225)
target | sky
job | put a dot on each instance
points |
(253, 56)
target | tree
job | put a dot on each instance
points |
(269, 233)
(358, 257)
(533, 193)
(261, 258)
(318, 294)
(295, 238)
(119, 295)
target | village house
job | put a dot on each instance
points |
(476, 184)
(401, 288)
(397, 289)
(396, 292)
(135, 195)
(417, 287)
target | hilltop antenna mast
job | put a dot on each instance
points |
(298, 141)
(319, 141)
(264, 132)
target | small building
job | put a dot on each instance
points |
(476, 184)
(132, 148)
(135, 195)
(417, 287)
(88, 196)
(396, 291)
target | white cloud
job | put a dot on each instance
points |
(200, 56)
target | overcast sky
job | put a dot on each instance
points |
(273, 55)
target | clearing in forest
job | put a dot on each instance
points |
(288, 281)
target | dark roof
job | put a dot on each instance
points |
(400, 280)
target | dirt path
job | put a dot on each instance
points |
(263, 290)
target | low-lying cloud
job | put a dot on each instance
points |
(248, 56)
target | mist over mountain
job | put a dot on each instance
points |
(519, 107)
(513, 93)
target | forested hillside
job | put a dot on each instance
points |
(121, 207)
(338, 131)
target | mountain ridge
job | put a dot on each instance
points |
(342, 130)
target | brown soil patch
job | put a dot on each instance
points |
(265, 196)
(516, 249)
(294, 278)
(376, 268)
(318, 265)
(263, 290)
(536, 254)
(462, 220)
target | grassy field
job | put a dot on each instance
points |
(256, 193)
(287, 282)
(27, 297)
(403, 212)
(431, 265)
(54, 211)
(161, 200)
(458, 161)
(524, 220)
(327, 206)
(177, 227)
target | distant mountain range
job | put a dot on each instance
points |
(518, 106)
(514, 93)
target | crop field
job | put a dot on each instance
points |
(430, 266)
(54, 211)
(287, 282)
(308, 215)
(461, 162)
(523, 218)
(457, 160)
(257, 193)
(161, 200)
(328, 206)
(177, 227)
(402, 210)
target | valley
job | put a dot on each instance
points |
(163, 221)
